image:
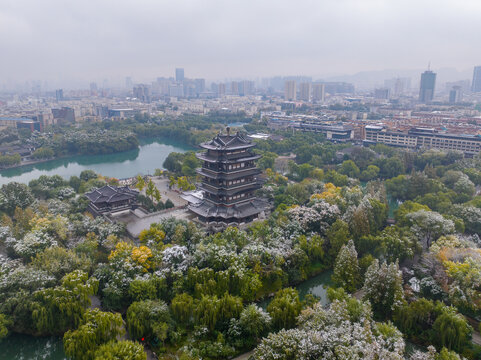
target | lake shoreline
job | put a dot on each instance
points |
(29, 162)
(140, 138)
(149, 155)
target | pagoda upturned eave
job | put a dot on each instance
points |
(248, 208)
(212, 159)
(251, 186)
(231, 175)
(226, 148)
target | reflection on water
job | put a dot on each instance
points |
(150, 155)
(24, 347)
(316, 285)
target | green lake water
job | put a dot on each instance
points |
(24, 347)
(317, 286)
(149, 156)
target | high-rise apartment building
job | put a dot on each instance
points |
(179, 74)
(199, 86)
(65, 115)
(455, 95)
(318, 92)
(247, 87)
(234, 88)
(382, 93)
(59, 94)
(305, 91)
(176, 90)
(398, 86)
(128, 83)
(163, 86)
(221, 90)
(426, 90)
(93, 88)
(142, 92)
(290, 90)
(476, 86)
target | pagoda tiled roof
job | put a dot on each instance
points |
(222, 160)
(228, 175)
(227, 142)
(238, 211)
(111, 194)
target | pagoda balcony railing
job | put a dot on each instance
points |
(231, 202)
(216, 187)
(209, 177)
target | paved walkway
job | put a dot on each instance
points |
(244, 356)
(136, 225)
(476, 338)
(162, 184)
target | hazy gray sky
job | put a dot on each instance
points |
(97, 39)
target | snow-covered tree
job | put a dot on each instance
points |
(15, 195)
(429, 226)
(346, 269)
(254, 321)
(317, 218)
(470, 215)
(338, 332)
(32, 243)
(383, 287)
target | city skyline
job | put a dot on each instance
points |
(54, 40)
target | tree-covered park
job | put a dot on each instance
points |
(409, 275)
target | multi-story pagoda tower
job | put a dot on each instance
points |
(229, 180)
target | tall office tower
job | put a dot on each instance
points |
(455, 95)
(234, 88)
(305, 91)
(318, 92)
(426, 90)
(221, 90)
(59, 94)
(476, 86)
(290, 90)
(179, 74)
(128, 83)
